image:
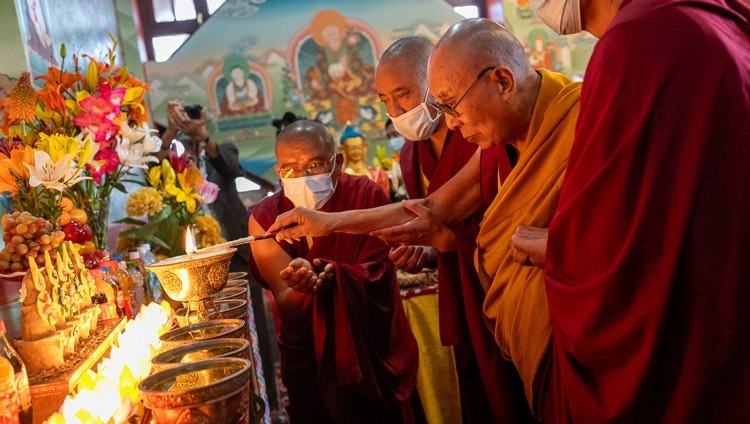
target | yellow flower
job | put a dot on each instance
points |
(144, 201)
(209, 231)
(154, 176)
(58, 145)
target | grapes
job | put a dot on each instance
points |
(26, 237)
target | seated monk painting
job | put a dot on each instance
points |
(347, 352)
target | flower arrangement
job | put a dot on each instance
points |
(172, 200)
(80, 135)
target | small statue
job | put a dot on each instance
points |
(354, 148)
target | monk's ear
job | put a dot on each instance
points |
(505, 79)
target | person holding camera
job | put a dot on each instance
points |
(219, 162)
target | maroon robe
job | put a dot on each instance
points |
(490, 388)
(352, 358)
(648, 258)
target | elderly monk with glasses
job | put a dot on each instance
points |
(482, 81)
(347, 352)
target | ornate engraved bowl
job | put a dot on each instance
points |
(198, 351)
(210, 391)
(207, 330)
(237, 274)
(231, 293)
(216, 309)
(195, 276)
(240, 282)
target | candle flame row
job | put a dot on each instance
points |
(110, 395)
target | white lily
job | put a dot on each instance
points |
(53, 175)
(133, 155)
(143, 134)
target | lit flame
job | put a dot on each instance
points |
(189, 241)
(111, 394)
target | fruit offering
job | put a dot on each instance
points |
(27, 236)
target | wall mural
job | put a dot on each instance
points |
(46, 24)
(545, 49)
(253, 60)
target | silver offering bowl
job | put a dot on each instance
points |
(214, 390)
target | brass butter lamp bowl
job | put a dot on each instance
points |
(194, 277)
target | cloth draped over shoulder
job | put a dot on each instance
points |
(516, 304)
(648, 260)
(355, 345)
(461, 295)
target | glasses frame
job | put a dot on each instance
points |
(451, 109)
(307, 168)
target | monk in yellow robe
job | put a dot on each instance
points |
(501, 100)
(486, 88)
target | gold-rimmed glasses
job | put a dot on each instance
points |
(312, 168)
(451, 109)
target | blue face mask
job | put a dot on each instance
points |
(311, 191)
(397, 143)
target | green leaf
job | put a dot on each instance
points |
(159, 242)
(139, 182)
(120, 187)
(130, 220)
(164, 214)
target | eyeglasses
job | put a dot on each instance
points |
(313, 168)
(451, 109)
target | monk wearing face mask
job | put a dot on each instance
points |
(347, 352)
(489, 387)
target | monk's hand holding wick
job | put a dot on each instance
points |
(425, 229)
(299, 223)
(528, 245)
(300, 275)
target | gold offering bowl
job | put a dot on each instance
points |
(194, 276)
(206, 349)
(214, 390)
(214, 329)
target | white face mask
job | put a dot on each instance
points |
(416, 124)
(397, 143)
(563, 16)
(311, 191)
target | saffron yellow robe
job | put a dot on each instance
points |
(516, 304)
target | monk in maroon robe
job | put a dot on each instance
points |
(648, 274)
(489, 385)
(347, 353)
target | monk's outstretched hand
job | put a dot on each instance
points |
(413, 258)
(425, 229)
(326, 275)
(300, 275)
(300, 222)
(528, 245)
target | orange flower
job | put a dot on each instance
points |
(56, 82)
(13, 168)
(22, 101)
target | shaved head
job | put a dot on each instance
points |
(481, 42)
(311, 133)
(483, 66)
(409, 53)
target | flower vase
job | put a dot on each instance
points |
(98, 212)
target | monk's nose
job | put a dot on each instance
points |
(452, 122)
